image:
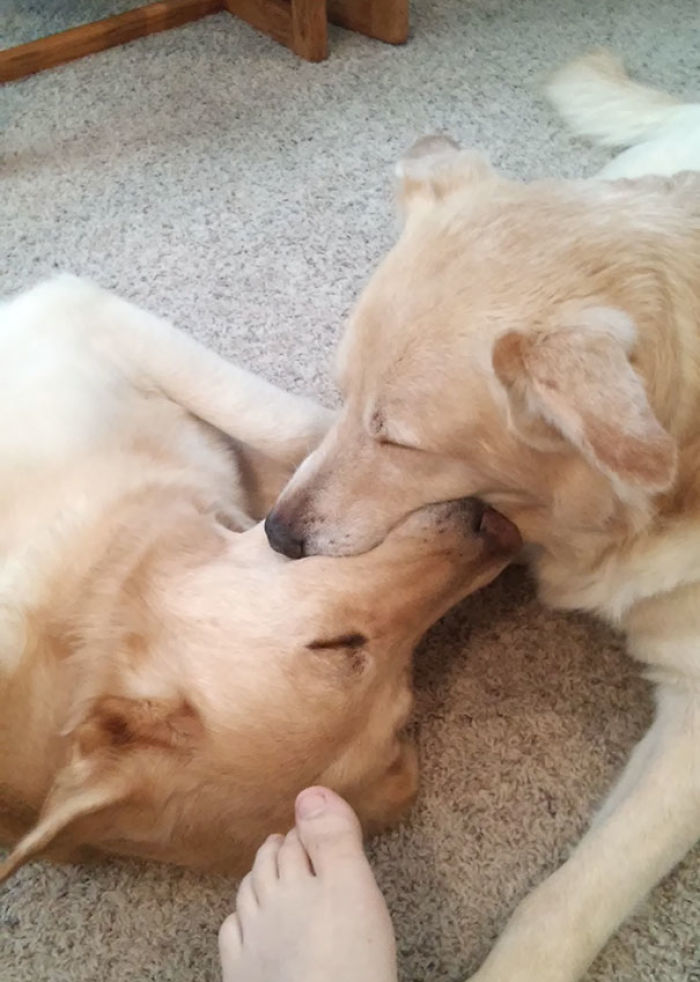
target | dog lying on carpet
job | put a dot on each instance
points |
(168, 683)
(539, 346)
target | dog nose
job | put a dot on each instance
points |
(282, 539)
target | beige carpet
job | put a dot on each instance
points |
(211, 175)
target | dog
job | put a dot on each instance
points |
(598, 100)
(539, 346)
(168, 683)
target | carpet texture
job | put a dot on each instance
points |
(210, 175)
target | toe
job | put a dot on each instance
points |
(230, 945)
(264, 874)
(329, 830)
(293, 860)
(246, 902)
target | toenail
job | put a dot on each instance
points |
(311, 803)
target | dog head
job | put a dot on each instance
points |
(495, 353)
(220, 678)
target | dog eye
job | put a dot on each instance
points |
(386, 442)
(352, 640)
(377, 429)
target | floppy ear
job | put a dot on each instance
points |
(576, 383)
(102, 768)
(434, 167)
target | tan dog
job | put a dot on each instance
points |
(167, 682)
(539, 346)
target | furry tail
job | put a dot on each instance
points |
(598, 99)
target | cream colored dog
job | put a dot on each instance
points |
(539, 346)
(167, 682)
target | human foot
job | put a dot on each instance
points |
(310, 909)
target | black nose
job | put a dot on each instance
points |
(282, 539)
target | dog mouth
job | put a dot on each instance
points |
(470, 516)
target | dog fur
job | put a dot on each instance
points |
(167, 682)
(539, 346)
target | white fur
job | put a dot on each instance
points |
(598, 100)
(74, 360)
(652, 816)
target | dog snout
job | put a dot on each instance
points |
(501, 534)
(282, 536)
(459, 514)
(479, 520)
(468, 512)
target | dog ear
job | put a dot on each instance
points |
(103, 767)
(575, 383)
(434, 167)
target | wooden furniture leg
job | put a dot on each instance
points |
(298, 24)
(26, 59)
(301, 25)
(386, 20)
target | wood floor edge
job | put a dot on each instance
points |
(57, 49)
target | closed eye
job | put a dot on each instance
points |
(352, 640)
(387, 436)
(385, 441)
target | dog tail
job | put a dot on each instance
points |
(597, 99)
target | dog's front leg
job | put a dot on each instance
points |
(155, 355)
(557, 930)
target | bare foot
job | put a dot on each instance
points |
(310, 909)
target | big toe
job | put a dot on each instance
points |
(329, 830)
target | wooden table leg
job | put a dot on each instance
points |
(302, 24)
(386, 20)
(298, 24)
(310, 29)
